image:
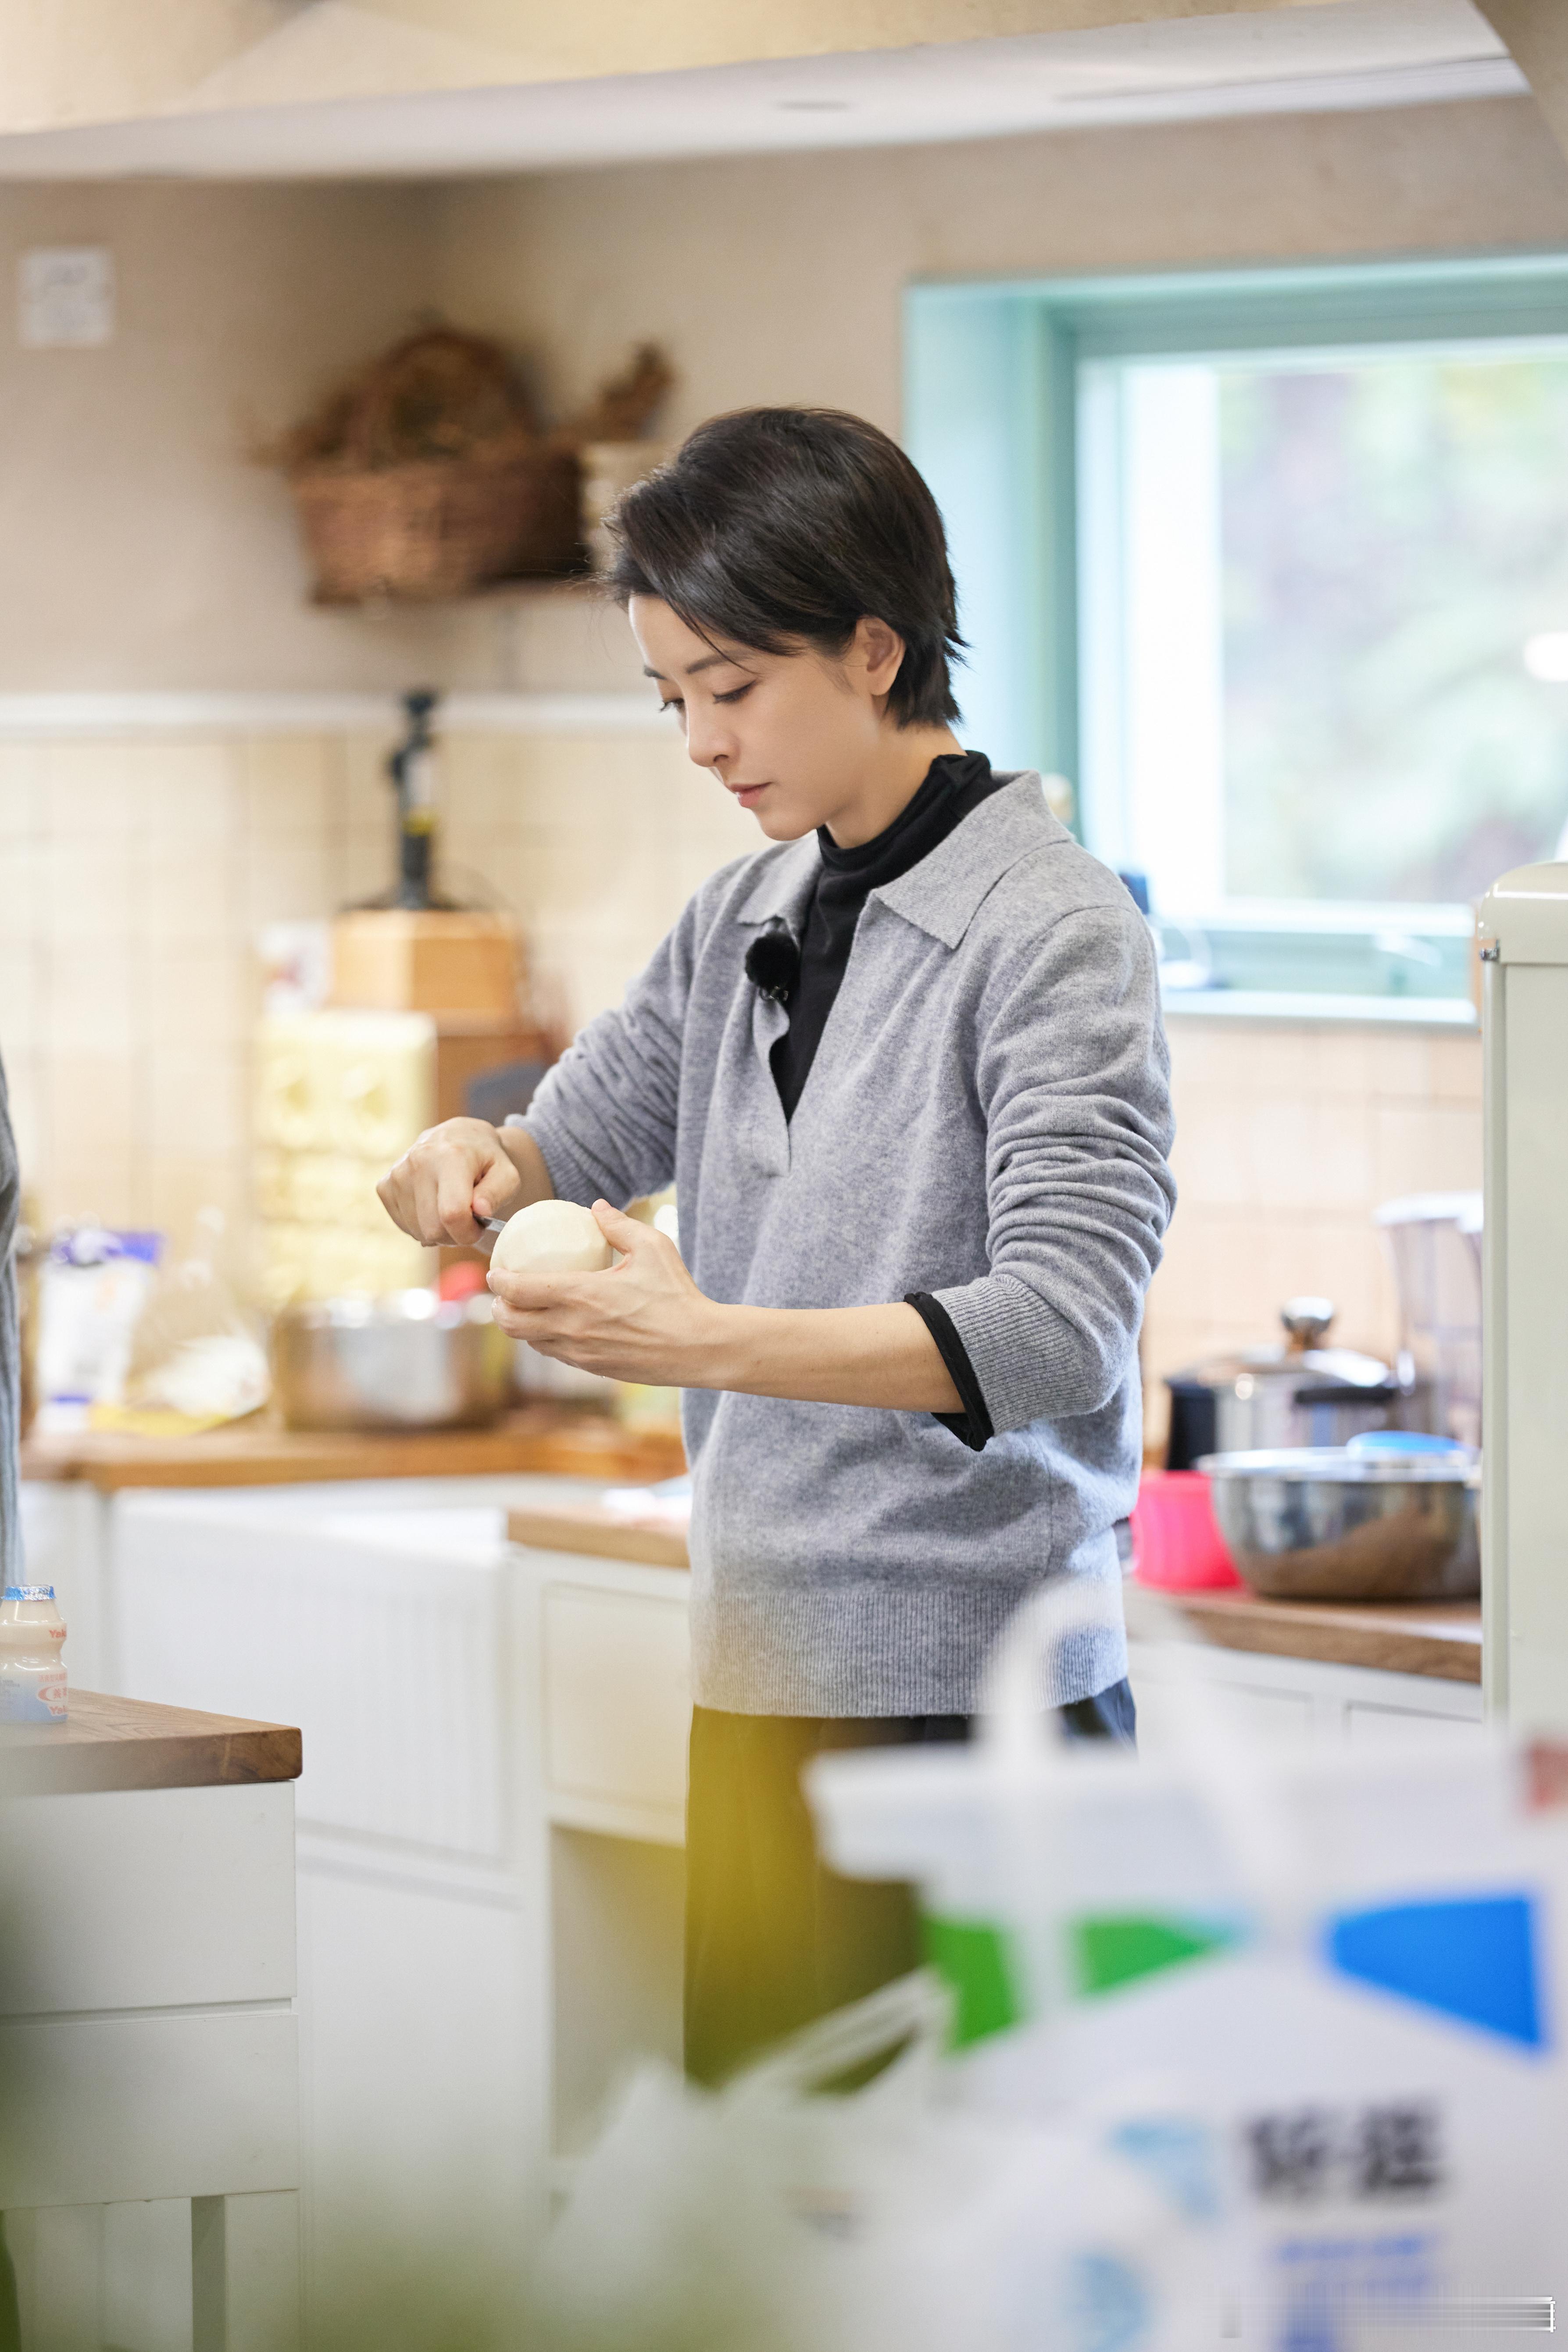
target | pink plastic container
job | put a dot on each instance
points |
(1176, 1546)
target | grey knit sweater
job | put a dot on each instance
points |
(986, 1118)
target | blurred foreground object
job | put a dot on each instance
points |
(1253, 2042)
(1317, 1991)
(884, 2220)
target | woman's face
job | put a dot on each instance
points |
(797, 737)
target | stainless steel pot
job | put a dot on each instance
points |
(1300, 1394)
(408, 1361)
(1317, 1523)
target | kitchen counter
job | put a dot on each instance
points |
(124, 1743)
(1441, 1640)
(535, 1438)
(657, 1541)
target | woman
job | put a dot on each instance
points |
(907, 1070)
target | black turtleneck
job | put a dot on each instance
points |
(953, 786)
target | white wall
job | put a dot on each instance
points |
(138, 545)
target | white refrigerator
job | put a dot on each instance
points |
(1523, 946)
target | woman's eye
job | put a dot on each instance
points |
(674, 703)
(736, 692)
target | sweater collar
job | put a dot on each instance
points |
(944, 892)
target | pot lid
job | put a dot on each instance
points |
(1318, 1367)
(1301, 1358)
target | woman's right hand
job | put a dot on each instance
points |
(454, 1177)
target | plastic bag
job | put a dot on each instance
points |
(195, 1361)
(776, 2217)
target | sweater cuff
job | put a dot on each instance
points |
(1028, 1361)
(973, 1425)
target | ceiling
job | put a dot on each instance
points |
(1349, 54)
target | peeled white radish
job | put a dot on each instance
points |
(551, 1237)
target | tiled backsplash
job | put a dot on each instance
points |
(135, 874)
(1288, 1137)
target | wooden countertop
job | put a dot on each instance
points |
(603, 1535)
(125, 1743)
(261, 1452)
(1440, 1639)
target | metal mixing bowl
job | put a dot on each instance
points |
(1316, 1523)
(408, 1361)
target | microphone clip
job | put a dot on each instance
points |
(772, 963)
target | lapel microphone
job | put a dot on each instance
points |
(772, 963)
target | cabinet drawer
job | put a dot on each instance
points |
(1364, 1723)
(618, 1695)
(105, 2110)
(147, 1898)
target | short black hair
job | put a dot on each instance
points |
(775, 527)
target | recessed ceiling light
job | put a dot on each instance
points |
(812, 105)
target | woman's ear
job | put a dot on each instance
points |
(879, 650)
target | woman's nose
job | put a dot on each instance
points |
(709, 743)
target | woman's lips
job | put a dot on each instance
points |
(748, 794)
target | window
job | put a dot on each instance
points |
(1272, 570)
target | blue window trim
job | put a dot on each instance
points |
(990, 419)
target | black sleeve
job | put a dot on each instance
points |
(973, 1424)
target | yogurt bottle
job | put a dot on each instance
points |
(32, 1664)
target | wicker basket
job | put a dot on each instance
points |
(438, 526)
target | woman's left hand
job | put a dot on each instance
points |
(642, 1320)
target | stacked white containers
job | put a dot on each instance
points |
(1523, 935)
(339, 1095)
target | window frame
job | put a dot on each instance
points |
(992, 418)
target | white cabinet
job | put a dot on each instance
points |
(617, 1700)
(615, 1660)
(148, 2051)
(393, 1624)
(1294, 1697)
(490, 1820)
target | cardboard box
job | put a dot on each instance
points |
(390, 961)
